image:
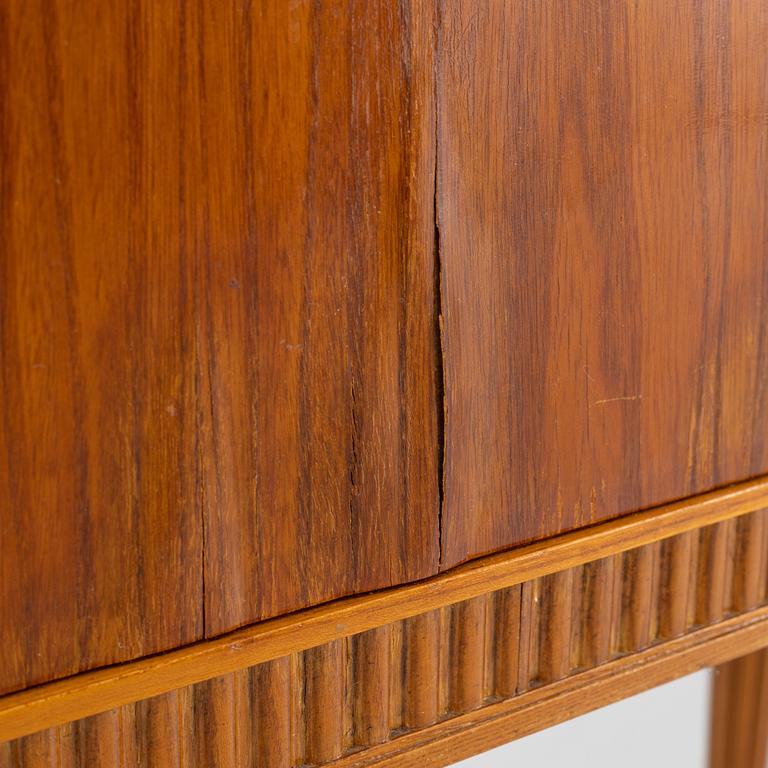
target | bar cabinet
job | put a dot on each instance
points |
(381, 380)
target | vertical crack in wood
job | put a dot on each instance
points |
(441, 404)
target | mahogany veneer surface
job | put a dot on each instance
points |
(218, 344)
(603, 219)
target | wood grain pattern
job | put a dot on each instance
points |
(498, 723)
(372, 674)
(417, 613)
(100, 532)
(739, 728)
(421, 670)
(603, 177)
(468, 734)
(312, 156)
(218, 347)
(271, 697)
(335, 703)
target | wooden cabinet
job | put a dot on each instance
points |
(379, 380)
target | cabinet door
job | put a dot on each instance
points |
(218, 340)
(603, 218)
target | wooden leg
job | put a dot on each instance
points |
(739, 735)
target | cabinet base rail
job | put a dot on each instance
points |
(435, 671)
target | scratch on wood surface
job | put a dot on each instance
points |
(618, 399)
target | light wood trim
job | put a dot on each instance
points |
(93, 692)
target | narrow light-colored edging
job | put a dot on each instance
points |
(89, 693)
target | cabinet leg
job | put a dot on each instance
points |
(739, 726)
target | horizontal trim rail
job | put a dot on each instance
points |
(92, 692)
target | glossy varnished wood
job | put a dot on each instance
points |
(450, 682)
(223, 352)
(739, 735)
(218, 341)
(101, 547)
(603, 177)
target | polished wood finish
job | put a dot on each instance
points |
(602, 187)
(471, 733)
(739, 735)
(219, 350)
(101, 544)
(305, 300)
(167, 742)
(385, 693)
(595, 554)
(312, 149)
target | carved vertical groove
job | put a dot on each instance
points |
(324, 702)
(421, 651)
(713, 576)
(163, 729)
(127, 735)
(467, 659)
(313, 707)
(763, 596)
(596, 617)
(218, 721)
(397, 676)
(98, 740)
(40, 750)
(748, 562)
(506, 641)
(638, 598)
(66, 746)
(242, 717)
(554, 638)
(675, 585)
(371, 685)
(272, 694)
(529, 624)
